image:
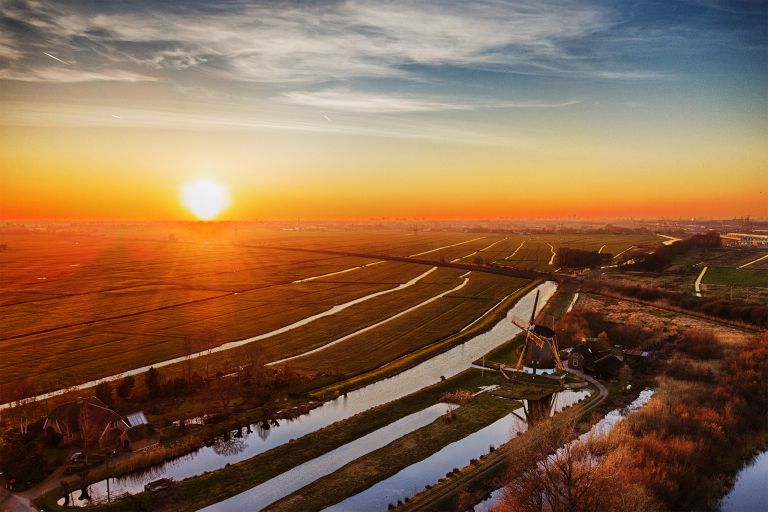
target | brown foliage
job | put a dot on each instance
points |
(581, 476)
(670, 455)
(459, 397)
(701, 344)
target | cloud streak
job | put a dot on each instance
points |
(362, 102)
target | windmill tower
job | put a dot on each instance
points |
(539, 348)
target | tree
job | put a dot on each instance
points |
(222, 390)
(625, 377)
(189, 349)
(125, 387)
(104, 393)
(86, 426)
(152, 382)
(603, 343)
(558, 475)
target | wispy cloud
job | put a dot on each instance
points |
(65, 114)
(305, 42)
(68, 75)
(363, 102)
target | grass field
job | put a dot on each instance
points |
(79, 305)
(736, 276)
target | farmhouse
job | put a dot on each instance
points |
(86, 420)
(139, 434)
(581, 357)
(607, 367)
(636, 356)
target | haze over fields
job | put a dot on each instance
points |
(367, 109)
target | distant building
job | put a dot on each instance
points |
(744, 240)
(86, 420)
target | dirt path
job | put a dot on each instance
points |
(761, 258)
(697, 284)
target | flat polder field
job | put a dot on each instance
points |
(81, 302)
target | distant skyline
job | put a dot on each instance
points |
(357, 110)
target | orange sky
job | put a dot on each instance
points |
(469, 110)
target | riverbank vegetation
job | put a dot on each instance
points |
(679, 452)
(369, 469)
(193, 493)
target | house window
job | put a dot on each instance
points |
(575, 362)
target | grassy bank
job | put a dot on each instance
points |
(376, 466)
(215, 486)
(410, 360)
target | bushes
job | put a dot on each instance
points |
(686, 370)
(735, 311)
(700, 344)
(458, 397)
(691, 434)
(662, 256)
(576, 258)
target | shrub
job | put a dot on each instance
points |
(700, 344)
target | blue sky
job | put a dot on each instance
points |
(528, 76)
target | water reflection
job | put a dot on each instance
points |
(277, 432)
(601, 427)
(750, 491)
(415, 477)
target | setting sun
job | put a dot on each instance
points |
(204, 198)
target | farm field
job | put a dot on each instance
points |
(536, 253)
(736, 276)
(130, 302)
(723, 278)
(81, 305)
(403, 335)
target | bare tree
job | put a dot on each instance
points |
(85, 423)
(189, 349)
(554, 474)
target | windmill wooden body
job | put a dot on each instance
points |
(540, 351)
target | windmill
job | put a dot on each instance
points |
(540, 345)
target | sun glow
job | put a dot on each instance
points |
(205, 198)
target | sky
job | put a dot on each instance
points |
(356, 110)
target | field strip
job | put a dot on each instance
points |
(513, 254)
(445, 247)
(462, 257)
(374, 326)
(336, 273)
(117, 317)
(494, 243)
(554, 253)
(304, 474)
(233, 344)
(697, 284)
(625, 250)
(761, 258)
(473, 322)
(600, 251)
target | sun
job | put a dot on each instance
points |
(205, 198)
